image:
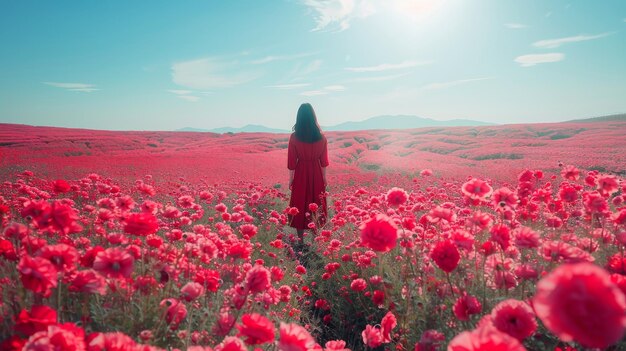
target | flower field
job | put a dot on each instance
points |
(439, 239)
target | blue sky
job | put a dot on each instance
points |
(163, 65)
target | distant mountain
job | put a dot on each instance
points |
(250, 128)
(610, 118)
(402, 122)
(378, 122)
(190, 129)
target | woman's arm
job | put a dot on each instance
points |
(291, 172)
(324, 175)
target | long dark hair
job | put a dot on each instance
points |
(306, 128)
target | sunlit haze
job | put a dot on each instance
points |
(163, 65)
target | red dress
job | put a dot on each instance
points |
(307, 159)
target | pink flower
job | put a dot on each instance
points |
(379, 233)
(570, 172)
(504, 197)
(476, 189)
(231, 343)
(372, 337)
(258, 279)
(335, 345)
(485, 338)
(578, 302)
(191, 291)
(525, 238)
(115, 341)
(515, 318)
(294, 338)
(388, 323)
(396, 197)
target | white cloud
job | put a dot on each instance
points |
(554, 43)
(288, 86)
(444, 85)
(82, 87)
(516, 26)
(379, 78)
(272, 58)
(188, 95)
(389, 66)
(337, 14)
(314, 92)
(303, 70)
(534, 59)
(335, 88)
(180, 92)
(189, 98)
(210, 73)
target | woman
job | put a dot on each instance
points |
(307, 159)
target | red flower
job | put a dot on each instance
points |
(37, 275)
(294, 338)
(476, 189)
(65, 337)
(256, 328)
(258, 279)
(446, 255)
(88, 281)
(430, 341)
(114, 262)
(142, 223)
(60, 186)
(379, 233)
(594, 202)
(466, 306)
(578, 302)
(62, 256)
(515, 318)
(63, 219)
(176, 312)
(396, 197)
(7, 250)
(485, 338)
(616, 264)
(249, 230)
(38, 319)
(358, 284)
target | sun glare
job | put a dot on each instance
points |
(416, 9)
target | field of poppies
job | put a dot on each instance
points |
(489, 238)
